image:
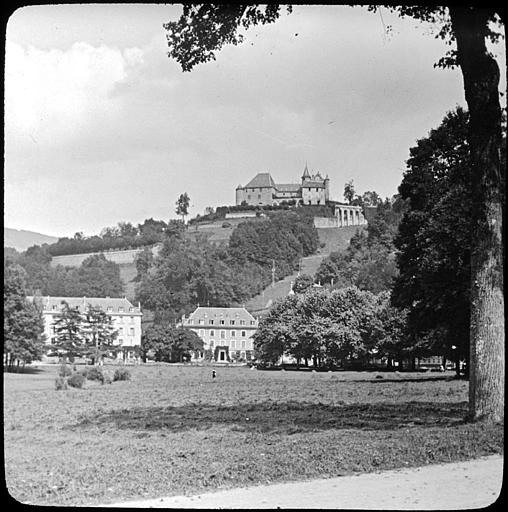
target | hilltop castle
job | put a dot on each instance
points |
(262, 190)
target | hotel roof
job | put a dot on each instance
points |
(117, 305)
(220, 313)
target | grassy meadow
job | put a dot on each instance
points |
(173, 430)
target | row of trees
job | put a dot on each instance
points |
(333, 328)
(122, 236)
(95, 277)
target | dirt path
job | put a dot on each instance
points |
(464, 485)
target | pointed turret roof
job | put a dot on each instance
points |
(306, 172)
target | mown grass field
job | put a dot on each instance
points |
(172, 430)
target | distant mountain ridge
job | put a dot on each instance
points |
(21, 239)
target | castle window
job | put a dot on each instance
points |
(259, 196)
(248, 196)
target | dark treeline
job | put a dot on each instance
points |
(95, 277)
(122, 236)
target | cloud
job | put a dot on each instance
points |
(55, 97)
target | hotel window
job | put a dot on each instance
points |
(233, 334)
(233, 343)
(232, 322)
(211, 343)
(242, 322)
(212, 333)
(121, 310)
(223, 334)
(131, 310)
(243, 333)
(54, 307)
(210, 322)
(131, 331)
(243, 343)
(201, 322)
(222, 322)
(252, 322)
(109, 309)
(201, 332)
(120, 331)
(132, 319)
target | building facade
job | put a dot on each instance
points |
(125, 316)
(226, 332)
(262, 190)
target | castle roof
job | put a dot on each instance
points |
(316, 184)
(306, 172)
(288, 187)
(117, 305)
(262, 179)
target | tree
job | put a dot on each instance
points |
(170, 344)
(434, 258)
(349, 191)
(182, 206)
(205, 28)
(69, 341)
(23, 324)
(303, 283)
(99, 332)
(143, 261)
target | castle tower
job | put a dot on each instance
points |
(305, 175)
(327, 188)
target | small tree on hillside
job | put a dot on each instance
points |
(182, 205)
(349, 191)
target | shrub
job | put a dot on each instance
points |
(60, 383)
(107, 379)
(95, 374)
(64, 370)
(76, 380)
(122, 374)
(85, 371)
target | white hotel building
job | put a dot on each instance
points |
(226, 332)
(126, 318)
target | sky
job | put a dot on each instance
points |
(102, 127)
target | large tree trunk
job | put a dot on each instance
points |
(481, 78)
